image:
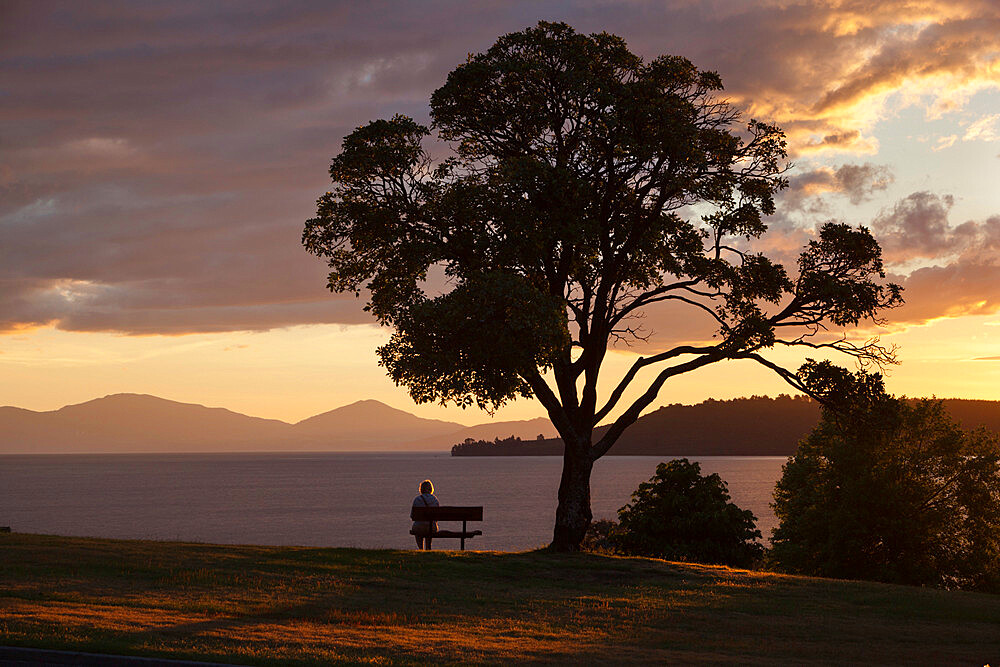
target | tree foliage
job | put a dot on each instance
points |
(580, 186)
(680, 514)
(890, 490)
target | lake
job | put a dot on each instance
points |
(324, 499)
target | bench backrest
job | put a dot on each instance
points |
(447, 513)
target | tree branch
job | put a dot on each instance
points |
(627, 418)
(557, 414)
(639, 364)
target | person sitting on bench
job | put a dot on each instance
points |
(424, 530)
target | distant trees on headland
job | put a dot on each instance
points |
(512, 446)
(753, 426)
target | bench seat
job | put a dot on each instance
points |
(446, 513)
(450, 533)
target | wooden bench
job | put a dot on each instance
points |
(446, 513)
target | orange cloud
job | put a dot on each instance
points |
(162, 159)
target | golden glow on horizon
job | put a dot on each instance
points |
(294, 373)
(918, 95)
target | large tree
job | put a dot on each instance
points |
(888, 489)
(577, 186)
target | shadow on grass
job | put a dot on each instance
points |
(287, 605)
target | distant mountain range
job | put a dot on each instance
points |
(755, 426)
(142, 423)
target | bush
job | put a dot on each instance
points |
(679, 514)
(600, 537)
(889, 490)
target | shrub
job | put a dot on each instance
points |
(679, 514)
(889, 490)
(600, 537)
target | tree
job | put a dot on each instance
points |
(680, 514)
(890, 490)
(563, 212)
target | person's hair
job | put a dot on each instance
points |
(426, 486)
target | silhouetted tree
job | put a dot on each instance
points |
(559, 216)
(888, 489)
(680, 514)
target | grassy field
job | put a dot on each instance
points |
(299, 606)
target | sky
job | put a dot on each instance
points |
(158, 161)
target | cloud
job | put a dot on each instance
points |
(857, 182)
(100, 147)
(984, 129)
(848, 66)
(847, 141)
(945, 142)
(158, 160)
(946, 270)
(917, 227)
(956, 290)
(861, 182)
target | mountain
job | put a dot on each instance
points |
(135, 423)
(971, 413)
(372, 424)
(755, 426)
(142, 423)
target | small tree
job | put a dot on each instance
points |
(679, 514)
(560, 214)
(890, 490)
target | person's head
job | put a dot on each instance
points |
(426, 486)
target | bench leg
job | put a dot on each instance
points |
(463, 536)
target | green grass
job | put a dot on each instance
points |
(301, 606)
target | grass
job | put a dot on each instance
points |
(307, 606)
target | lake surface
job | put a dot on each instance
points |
(324, 499)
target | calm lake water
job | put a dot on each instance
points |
(323, 499)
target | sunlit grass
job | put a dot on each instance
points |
(288, 605)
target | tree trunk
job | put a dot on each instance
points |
(573, 513)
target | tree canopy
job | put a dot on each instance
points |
(680, 514)
(889, 489)
(575, 187)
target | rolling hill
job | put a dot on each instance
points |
(374, 424)
(143, 423)
(135, 423)
(755, 426)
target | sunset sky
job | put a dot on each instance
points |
(158, 160)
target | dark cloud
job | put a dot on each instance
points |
(857, 182)
(917, 227)
(158, 159)
(838, 140)
(958, 265)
